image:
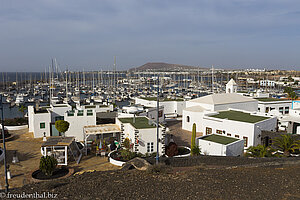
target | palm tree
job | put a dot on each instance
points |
(260, 151)
(22, 109)
(286, 144)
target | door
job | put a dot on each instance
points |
(54, 131)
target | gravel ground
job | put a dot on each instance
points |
(273, 182)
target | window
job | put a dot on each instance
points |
(267, 109)
(71, 113)
(208, 130)
(281, 110)
(187, 118)
(219, 132)
(80, 113)
(258, 109)
(42, 125)
(150, 147)
(229, 134)
(286, 110)
(237, 136)
(245, 141)
(89, 113)
(59, 118)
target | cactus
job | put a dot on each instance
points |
(48, 165)
(193, 140)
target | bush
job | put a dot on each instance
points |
(48, 165)
(62, 126)
(260, 151)
(127, 155)
(15, 122)
(126, 143)
(195, 151)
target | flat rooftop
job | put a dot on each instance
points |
(140, 122)
(219, 139)
(239, 116)
(271, 99)
(163, 99)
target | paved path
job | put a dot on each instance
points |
(181, 137)
(29, 154)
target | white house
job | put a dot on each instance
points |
(273, 106)
(142, 133)
(42, 121)
(196, 108)
(171, 106)
(237, 124)
(218, 145)
(290, 123)
(267, 83)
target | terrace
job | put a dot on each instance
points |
(219, 139)
(239, 116)
(140, 122)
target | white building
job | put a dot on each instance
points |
(171, 107)
(238, 124)
(291, 123)
(142, 134)
(267, 83)
(275, 107)
(218, 145)
(42, 121)
(231, 86)
(196, 108)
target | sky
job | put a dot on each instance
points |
(86, 35)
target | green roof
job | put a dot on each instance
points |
(270, 99)
(219, 139)
(239, 116)
(140, 122)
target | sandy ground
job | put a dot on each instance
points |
(28, 152)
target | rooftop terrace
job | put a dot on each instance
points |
(140, 122)
(219, 139)
(239, 116)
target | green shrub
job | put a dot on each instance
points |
(127, 155)
(195, 151)
(126, 143)
(62, 126)
(48, 165)
(260, 151)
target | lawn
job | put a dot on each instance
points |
(239, 116)
(219, 139)
(270, 99)
(140, 122)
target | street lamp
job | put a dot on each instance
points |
(157, 122)
(4, 148)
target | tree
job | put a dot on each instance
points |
(193, 139)
(48, 165)
(286, 144)
(62, 126)
(291, 93)
(22, 109)
(260, 151)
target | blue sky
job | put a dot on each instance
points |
(88, 34)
